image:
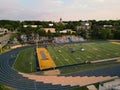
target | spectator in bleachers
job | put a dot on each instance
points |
(66, 39)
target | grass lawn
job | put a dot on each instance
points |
(4, 49)
(2, 87)
(25, 62)
(62, 55)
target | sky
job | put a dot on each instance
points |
(53, 10)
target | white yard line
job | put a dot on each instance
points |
(56, 56)
(69, 57)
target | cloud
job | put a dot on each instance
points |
(54, 9)
(101, 0)
(57, 2)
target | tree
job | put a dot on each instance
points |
(57, 33)
(95, 33)
(106, 34)
(59, 27)
(9, 24)
(74, 33)
(49, 34)
(83, 33)
(117, 34)
(41, 31)
(68, 33)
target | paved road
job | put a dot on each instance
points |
(4, 39)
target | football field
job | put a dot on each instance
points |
(78, 53)
(67, 54)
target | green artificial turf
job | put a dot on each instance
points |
(25, 61)
(62, 55)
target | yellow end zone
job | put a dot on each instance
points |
(47, 62)
(115, 43)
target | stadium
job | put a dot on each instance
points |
(63, 66)
(59, 45)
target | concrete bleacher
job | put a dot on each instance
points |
(68, 81)
(91, 87)
(68, 39)
(110, 85)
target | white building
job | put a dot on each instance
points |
(33, 26)
(52, 30)
(67, 30)
(3, 31)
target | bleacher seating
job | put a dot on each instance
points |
(110, 85)
(68, 39)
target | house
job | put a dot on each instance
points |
(33, 26)
(85, 25)
(111, 27)
(67, 30)
(3, 31)
(52, 30)
(107, 26)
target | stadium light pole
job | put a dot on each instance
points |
(36, 42)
